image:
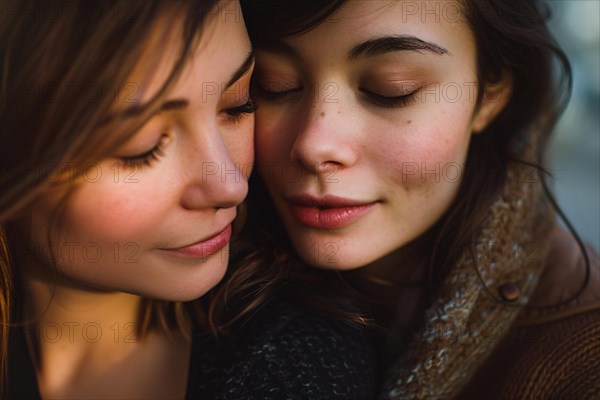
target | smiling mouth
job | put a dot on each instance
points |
(204, 248)
(328, 212)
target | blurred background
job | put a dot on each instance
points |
(575, 150)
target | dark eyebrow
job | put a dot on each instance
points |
(243, 69)
(387, 44)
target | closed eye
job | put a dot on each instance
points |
(146, 158)
(236, 114)
(389, 101)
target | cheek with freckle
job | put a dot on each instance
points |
(273, 129)
(113, 213)
(425, 157)
(272, 150)
(241, 148)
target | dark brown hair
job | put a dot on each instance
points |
(511, 38)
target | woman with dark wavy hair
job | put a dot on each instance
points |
(126, 132)
(402, 145)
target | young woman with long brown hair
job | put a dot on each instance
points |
(126, 134)
(402, 145)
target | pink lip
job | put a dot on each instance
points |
(206, 247)
(328, 212)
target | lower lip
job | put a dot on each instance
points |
(329, 218)
(206, 248)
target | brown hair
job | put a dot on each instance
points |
(511, 38)
(51, 55)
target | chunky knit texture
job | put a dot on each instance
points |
(562, 361)
(285, 352)
(466, 347)
(552, 360)
(441, 360)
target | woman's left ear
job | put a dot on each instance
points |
(495, 98)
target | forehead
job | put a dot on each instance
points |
(223, 47)
(220, 47)
(158, 55)
(437, 21)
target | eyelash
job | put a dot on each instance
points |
(146, 158)
(390, 102)
(373, 98)
(235, 115)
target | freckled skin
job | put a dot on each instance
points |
(396, 157)
(124, 218)
(108, 258)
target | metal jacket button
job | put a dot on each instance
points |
(509, 291)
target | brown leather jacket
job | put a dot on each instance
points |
(550, 353)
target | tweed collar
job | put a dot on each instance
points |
(469, 317)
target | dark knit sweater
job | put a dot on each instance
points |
(282, 352)
(285, 352)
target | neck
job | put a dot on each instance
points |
(404, 267)
(397, 282)
(52, 299)
(75, 325)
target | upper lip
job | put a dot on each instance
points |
(327, 201)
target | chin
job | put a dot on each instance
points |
(204, 285)
(332, 257)
(183, 294)
(188, 287)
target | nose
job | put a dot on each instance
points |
(216, 179)
(326, 141)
